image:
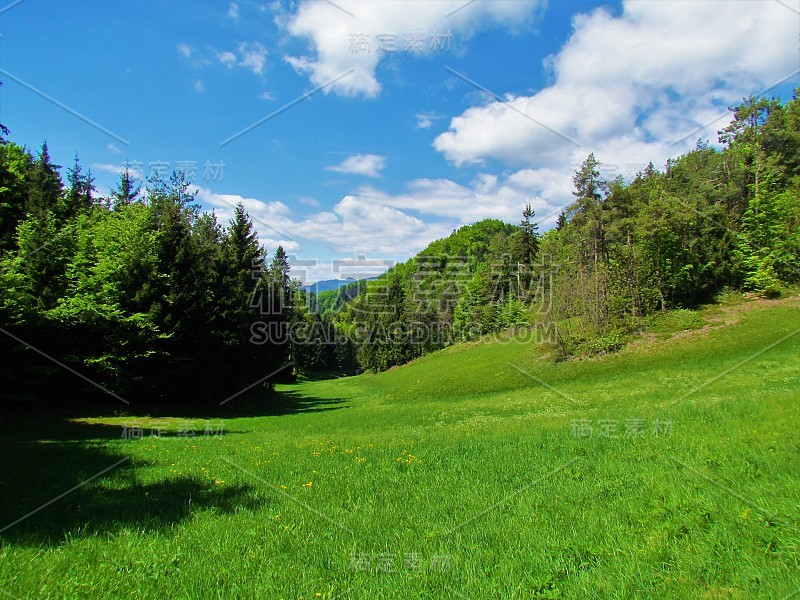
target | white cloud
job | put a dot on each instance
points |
(485, 197)
(330, 29)
(369, 165)
(225, 204)
(312, 202)
(250, 55)
(227, 58)
(272, 245)
(118, 169)
(233, 12)
(358, 226)
(627, 87)
(253, 56)
(373, 222)
(426, 119)
(266, 96)
(113, 148)
(101, 191)
(352, 226)
(199, 86)
(185, 50)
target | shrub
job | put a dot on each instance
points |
(603, 344)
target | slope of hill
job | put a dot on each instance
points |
(667, 470)
(327, 285)
(660, 367)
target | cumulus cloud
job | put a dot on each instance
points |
(185, 50)
(227, 58)
(486, 196)
(353, 225)
(368, 165)
(253, 56)
(337, 31)
(308, 201)
(374, 222)
(233, 12)
(117, 169)
(358, 226)
(249, 55)
(630, 86)
(224, 205)
(426, 119)
(287, 245)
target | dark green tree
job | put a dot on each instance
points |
(127, 190)
(525, 248)
(45, 186)
(586, 213)
(79, 195)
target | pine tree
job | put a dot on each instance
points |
(280, 268)
(241, 268)
(528, 236)
(589, 187)
(561, 221)
(45, 187)
(748, 119)
(44, 250)
(127, 191)
(586, 211)
(79, 195)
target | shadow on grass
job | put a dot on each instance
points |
(52, 490)
(59, 478)
(322, 376)
(262, 403)
(281, 402)
(255, 403)
(45, 428)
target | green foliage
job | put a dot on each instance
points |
(674, 321)
(470, 241)
(333, 301)
(525, 241)
(603, 344)
(674, 239)
(44, 185)
(127, 191)
(15, 166)
(151, 300)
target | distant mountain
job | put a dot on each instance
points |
(328, 284)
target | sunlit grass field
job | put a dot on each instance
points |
(669, 470)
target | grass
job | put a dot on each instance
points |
(671, 469)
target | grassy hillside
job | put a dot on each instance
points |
(671, 469)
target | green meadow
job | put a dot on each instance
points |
(670, 469)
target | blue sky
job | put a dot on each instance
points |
(384, 124)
